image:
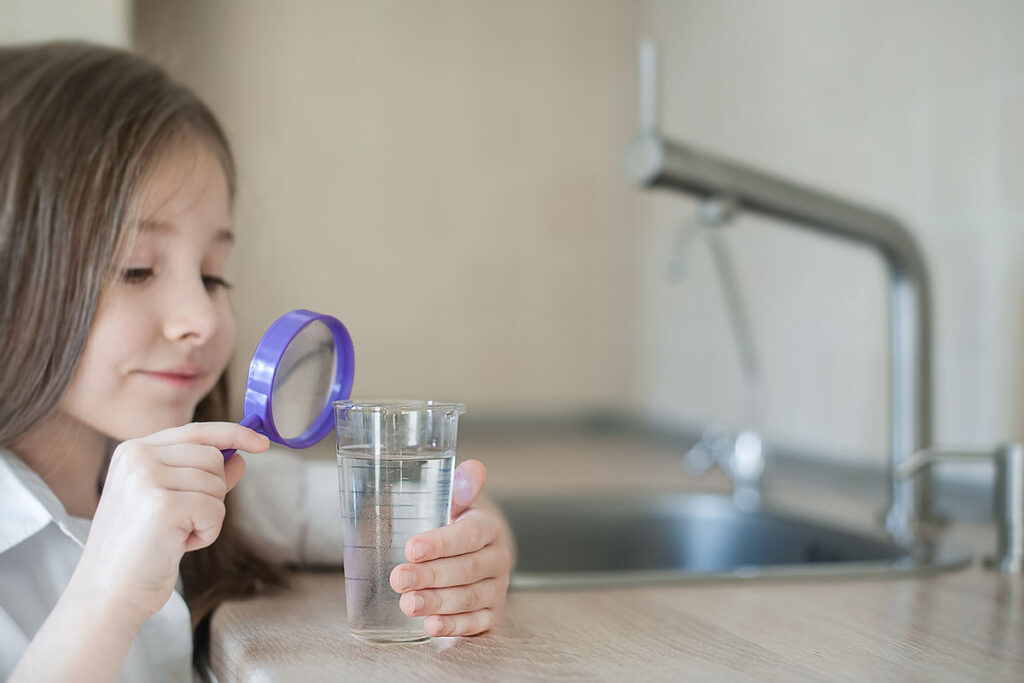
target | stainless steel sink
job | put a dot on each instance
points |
(671, 537)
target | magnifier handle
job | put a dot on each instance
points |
(252, 422)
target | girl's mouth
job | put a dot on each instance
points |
(176, 377)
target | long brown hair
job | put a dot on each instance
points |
(80, 127)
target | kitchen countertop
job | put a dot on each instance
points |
(964, 625)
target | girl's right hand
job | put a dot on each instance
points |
(163, 496)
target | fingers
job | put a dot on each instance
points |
(486, 594)
(192, 479)
(220, 435)
(468, 624)
(187, 455)
(234, 468)
(190, 455)
(457, 576)
(204, 519)
(486, 563)
(470, 532)
(468, 482)
(214, 477)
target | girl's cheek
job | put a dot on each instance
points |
(230, 330)
(226, 339)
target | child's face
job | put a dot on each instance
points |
(164, 334)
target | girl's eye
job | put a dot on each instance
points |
(212, 282)
(137, 275)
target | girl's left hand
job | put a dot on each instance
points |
(457, 576)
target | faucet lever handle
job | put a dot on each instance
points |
(927, 457)
(1007, 499)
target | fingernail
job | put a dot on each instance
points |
(440, 626)
(419, 550)
(404, 579)
(418, 603)
(463, 492)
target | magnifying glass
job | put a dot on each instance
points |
(303, 363)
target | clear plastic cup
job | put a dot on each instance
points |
(395, 463)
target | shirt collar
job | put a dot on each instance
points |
(27, 505)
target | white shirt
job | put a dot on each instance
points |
(287, 506)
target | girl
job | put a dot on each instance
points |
(116, 188)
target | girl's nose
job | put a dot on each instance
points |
(190, 313)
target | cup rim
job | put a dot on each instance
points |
(399, 405)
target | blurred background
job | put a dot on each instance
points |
(445, 177)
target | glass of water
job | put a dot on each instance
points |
(395, 463)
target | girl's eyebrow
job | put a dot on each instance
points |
(222, 234)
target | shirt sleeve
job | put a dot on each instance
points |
(13, 644)
(288, 507)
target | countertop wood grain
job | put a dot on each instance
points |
(964, 625)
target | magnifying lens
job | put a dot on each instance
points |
(303, 363)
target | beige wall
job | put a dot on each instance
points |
(441, 176)
(102, 21)
(445, 178)
(914, 107)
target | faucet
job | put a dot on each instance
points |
(655, 161)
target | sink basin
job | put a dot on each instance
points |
(672, 537)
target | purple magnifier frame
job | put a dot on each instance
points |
(259, 389)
